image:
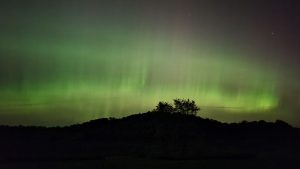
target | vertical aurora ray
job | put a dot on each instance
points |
(62, 67)
(127, 74)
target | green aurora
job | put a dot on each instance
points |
(59, 68)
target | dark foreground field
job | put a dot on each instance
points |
(142, 163)
(152, 140)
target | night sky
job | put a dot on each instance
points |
(65, 62)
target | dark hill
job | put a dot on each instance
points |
(151, 135)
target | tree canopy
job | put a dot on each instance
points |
(181, 106)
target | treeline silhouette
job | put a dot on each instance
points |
(167, 132)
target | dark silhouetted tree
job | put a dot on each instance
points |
(164, 107)
(181, 106)
(185, 106)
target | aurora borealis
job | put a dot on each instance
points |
(64, 62)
